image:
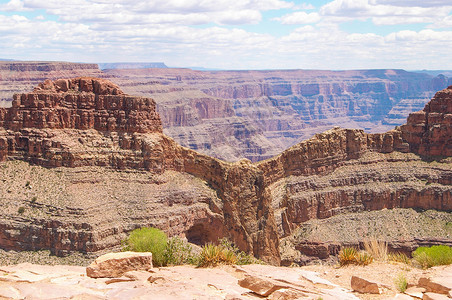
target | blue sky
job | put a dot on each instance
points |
(224, 34)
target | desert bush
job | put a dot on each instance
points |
(428, 257)
(401, 283)
(363, 258)
(378, 249)
(241, 257)
(399, 257)
(212, 255)
(347, 256)
(21, 210)
(178, 252)
(148, 239)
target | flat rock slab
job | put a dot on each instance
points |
(417, 292)
(434, 296)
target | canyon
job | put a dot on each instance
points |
(250, 114)
(83, 163)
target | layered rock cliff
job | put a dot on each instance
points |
(276, 108)
(87, 123)
(110, 159)
(19, 77)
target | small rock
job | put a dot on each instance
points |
(435, 285)
(364, 286)
(260, 286)
(157, 279)
(416, 292)
(434, 296)
(116, 264)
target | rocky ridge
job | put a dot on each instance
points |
(187, 193)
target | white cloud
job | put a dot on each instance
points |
(305, 6)
(14, 5)
(299, 17)
(411, 3)
(388, 12)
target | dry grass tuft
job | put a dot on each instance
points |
(377, 249)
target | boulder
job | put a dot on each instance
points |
(116, 264)
(364, 286)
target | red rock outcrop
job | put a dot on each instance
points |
(429, 132)
(81, 103)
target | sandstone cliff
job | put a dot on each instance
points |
(111, 159)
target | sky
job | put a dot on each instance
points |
(232, 34)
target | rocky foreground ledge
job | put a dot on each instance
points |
(376, 281)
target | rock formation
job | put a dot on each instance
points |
(276, 108)
(112, 160)
(19, 77)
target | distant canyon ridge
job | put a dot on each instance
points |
(250, 114)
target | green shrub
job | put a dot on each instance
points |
(433, 256)
(21, 210)
(178, 252)
(33, 200)
(401, 283)
(148, 239)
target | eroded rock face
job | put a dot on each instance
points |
(429, 132)
(81, 103)
(90, 123)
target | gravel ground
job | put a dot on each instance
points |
(43, 257)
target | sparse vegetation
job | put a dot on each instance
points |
(242, 257)
(178, 252)
(399, 257)
(212, 255)
(377, 249)
(401, 283)
(33, 200)
(21, 210)
(347, 256)
(148, 239)
(351, 256)
(363, 258)
(428, 257)
(175, 251)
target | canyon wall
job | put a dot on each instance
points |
(276, 109)
(86, 128)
